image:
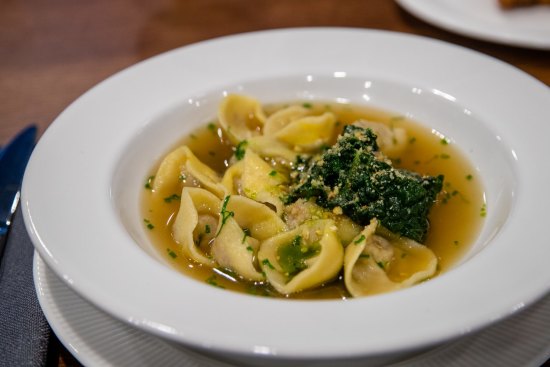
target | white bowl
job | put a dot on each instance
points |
(82, 186)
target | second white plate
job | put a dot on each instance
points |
(486, 20)
(95, 338)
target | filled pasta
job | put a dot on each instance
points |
(256, 179)
(375, 263)
(305, 257)
(199, 208)
(241, 117)
(182, 167)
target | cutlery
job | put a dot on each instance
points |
(13, 160)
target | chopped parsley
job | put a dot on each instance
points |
(360, 239)
(307, 105)
(212, 127)
(450, 193)
(483, 211)
(207, 229)
(444, 141)
(173, 197)
(469, 177)
(212, 280)
(148, 224)
(267, 263)
(273, 173)
(149, 183)
(240, 150)
(171, 253)
(225, 213)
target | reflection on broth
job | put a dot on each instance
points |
(292, 200)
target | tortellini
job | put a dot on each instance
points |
(241, 117)
(308, 133)
(238, 221)
(376, 263)
(303, 210)
(282, 118)
(242, 224)
(181, 166)
(303, 258)
(271, 147)
(392, 141)
(256, 179)
(211, 231)
(196, 223)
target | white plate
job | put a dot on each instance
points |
(486, 20)
(82, 185)
(96, 339)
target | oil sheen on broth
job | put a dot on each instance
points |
(455, 218)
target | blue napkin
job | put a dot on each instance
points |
(24, 331)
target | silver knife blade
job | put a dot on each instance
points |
(13, 160)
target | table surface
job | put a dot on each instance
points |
(53, 51)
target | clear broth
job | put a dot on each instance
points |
(455, 219)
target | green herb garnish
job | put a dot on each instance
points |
(360, 239)
(212, 280)
(350, 176)
(240, 150)
(225, 213)
(149, 183)
(292, 256)
(483, 211)
(267, 263)
(148, 224)
(171, 198)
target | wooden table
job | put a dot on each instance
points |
(53, 51)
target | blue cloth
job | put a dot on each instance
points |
(24, 331)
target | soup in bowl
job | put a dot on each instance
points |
(267, 199)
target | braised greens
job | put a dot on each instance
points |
(355, 177)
